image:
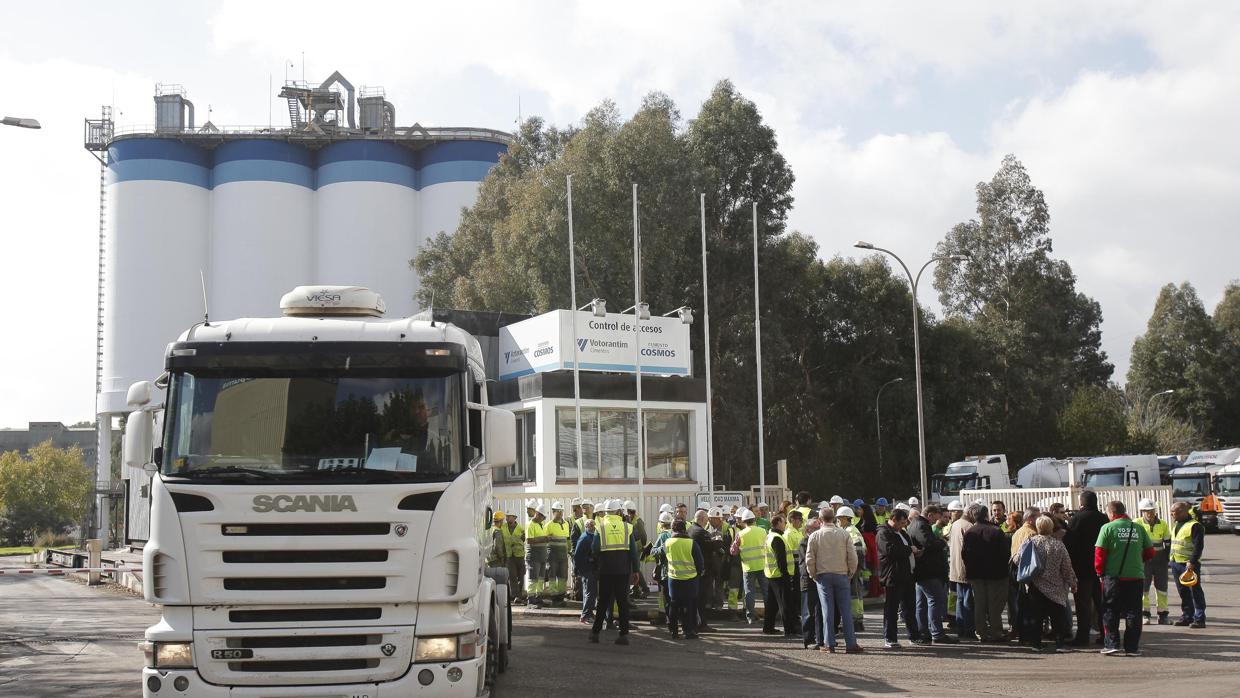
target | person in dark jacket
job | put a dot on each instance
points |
(811, 607)
(985, 553)
(710, 545)
(930, 576)
(1083, 531)
(896, 556)
(779, 583)
(586, 566)
(682, 593)
(617, 571)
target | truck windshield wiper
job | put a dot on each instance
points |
(226, 470)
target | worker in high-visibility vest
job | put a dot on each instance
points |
(684, 569)
(880, 510)
(794, 533)
(844, 518)
(778, 566)
(1156, 568)
(514, 540)
(536, 554)
(557, 554)
(499, 548)
(804, 505)
(1188, 542)
(618, 562)
(748, 547)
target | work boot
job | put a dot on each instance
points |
(1145, 620)
(1164, 618)
(1183, 623)
(1197, 624)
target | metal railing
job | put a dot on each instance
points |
(429, 133)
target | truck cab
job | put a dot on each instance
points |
(321, 493)
(1197, 478)
(1121, 471)
(972, 473)
(1227, 487)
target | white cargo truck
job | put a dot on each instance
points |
(1227, 487)
(320, 501)
(1196, 479)
(1120, 471)
(972, 473)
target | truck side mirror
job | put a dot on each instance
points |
(139, 438)
(139, 394)
(499, 438)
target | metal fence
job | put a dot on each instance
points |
(1020, 498)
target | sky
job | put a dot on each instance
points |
(889, 113)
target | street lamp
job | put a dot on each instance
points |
(1155, 395)
(684, 312)
(598, 307)
(878, 419)
(20, 122)
(913, 282)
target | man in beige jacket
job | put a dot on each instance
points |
(956, 575)
(831, 559)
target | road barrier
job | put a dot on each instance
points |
(58, 571)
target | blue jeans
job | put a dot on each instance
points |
(964, 610)
(835, 596)
(589, 593)
(755, 584)
(931, 608)
(1192, 599)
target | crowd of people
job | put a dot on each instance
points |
(1046, 580)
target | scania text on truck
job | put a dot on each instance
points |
(320, 497)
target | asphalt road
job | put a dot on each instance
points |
(57, 637)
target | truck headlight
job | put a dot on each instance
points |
(168, 655)
(435, 649)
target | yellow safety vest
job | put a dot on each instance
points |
(559, 533)
(854, 534)
(1182, 542)
(751, 548)
(514, 540)
(1159, 532)
(882, 518)
(792, 539)
(805, 512)
(534, 530)
(679, 552)
(772, 562)
(615, 534)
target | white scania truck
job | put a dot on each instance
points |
(320, 496)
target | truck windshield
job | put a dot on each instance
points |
(951, 485)
(1105, 478)
(313, 428)
(1229, 485)
(1190, 486)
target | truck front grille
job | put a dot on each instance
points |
(299, 666)
(305, 656)
(302, 583)
(258, 557)
(303, 615)
(306, 529)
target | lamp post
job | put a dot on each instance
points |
(20, 122)
(641, 311)
(757, 342)
(1155, 395)
(878, 419)
(912, 283)
(710, 406)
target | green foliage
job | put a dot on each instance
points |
(47, 490)
(1095, 423)
(49, 539)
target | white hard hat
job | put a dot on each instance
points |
(575, 501)
(845, 511)
(531, 503)
(902, 505)
(914, 502)
(955, 505)
(837, 499)
(664, 508)
(557, 506)
(666, 517)
(715, 512)
(629, 505)
(541, 509)
(587, 503)
(1146, 505)
(761, 505)
(611, 505)
(824, 504)
(746, 515)
(979, 501)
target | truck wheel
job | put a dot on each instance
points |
(492, 656)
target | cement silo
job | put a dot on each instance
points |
(262, 224)
(367, 206)
(257, 211)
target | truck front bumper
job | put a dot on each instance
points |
(422, 679)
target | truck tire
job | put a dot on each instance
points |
(492, 657)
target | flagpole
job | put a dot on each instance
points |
(710, 415)
(572, 285)
(757, 339)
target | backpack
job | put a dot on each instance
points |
(1029, 565)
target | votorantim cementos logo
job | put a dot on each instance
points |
(581, 344)
(510, 356)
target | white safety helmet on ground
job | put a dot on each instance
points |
(715, 513)
(845, 511)
(955, 505)
(837, 499)
(914, 502)
(629, 505)
(666, 517)
(1146, 505)
(557, 506)
(665, 508)
(746, 515)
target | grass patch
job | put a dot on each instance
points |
(19, 550)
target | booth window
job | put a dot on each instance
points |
(523, 469)
(609, 444)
